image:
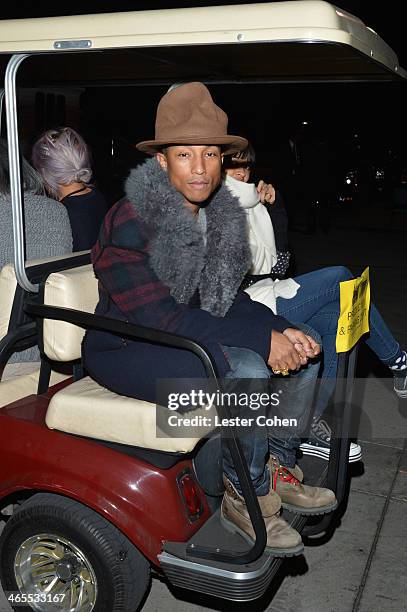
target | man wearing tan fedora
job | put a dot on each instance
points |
(172, 255)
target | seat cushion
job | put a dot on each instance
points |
(75, 288)
(8, 286)
(21, 386)
(87, 409)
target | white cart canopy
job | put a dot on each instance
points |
(306, 40)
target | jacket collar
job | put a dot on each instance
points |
(246, 192)
(177, 252)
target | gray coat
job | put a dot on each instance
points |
(47, 234)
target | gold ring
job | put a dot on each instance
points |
(285, 372)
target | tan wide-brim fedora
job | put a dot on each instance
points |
(187, 115)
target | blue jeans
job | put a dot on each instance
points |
(258, 443)
(317, 304)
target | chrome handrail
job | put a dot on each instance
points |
(17, 196)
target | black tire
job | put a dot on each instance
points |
(122, 573)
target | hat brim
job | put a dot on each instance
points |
(230, 144)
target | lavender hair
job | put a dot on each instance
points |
(61, 156)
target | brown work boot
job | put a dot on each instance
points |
(282, 540)
(297, 497)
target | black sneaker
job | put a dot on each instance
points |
(400, 382)
(319, 442)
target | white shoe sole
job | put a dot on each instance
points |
(323, 453)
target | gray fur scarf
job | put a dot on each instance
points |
(178, 255)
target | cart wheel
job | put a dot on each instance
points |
(63, 557)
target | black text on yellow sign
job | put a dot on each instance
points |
(353, 319)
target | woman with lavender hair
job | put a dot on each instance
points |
(62, 158)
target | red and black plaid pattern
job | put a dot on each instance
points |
(121, 261)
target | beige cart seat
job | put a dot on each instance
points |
(19, 386)
(85, 408)
(8, 286)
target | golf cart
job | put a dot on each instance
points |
(92, 495)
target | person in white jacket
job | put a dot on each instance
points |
(311, 298)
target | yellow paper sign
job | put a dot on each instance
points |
(353, 320)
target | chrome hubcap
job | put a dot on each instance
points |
(55, 575)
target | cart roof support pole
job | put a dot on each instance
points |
(16, 189)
